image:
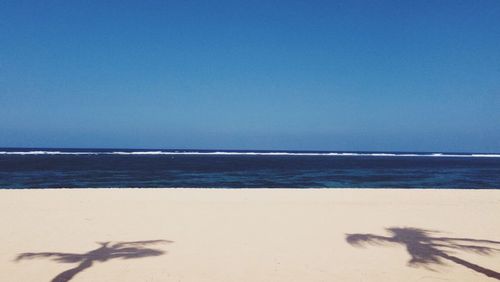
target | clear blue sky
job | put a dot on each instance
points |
(304, 75)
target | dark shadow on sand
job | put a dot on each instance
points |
(426, 249)
(106, 251)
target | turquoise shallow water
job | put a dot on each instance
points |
(79, 168)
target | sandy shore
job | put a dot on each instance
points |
(249, 235)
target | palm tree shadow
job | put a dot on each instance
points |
(426, 249)
(106, 251)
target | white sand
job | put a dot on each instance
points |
(249, 235)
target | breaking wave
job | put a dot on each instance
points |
(239, 153)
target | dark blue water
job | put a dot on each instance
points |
(75, 168)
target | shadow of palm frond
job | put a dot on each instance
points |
(106, 251)
(426, 249)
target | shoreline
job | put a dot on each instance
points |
(256, 234)
(259, 188)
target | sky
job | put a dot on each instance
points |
(276, 75)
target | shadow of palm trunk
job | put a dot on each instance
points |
(70, 273)
(475, 267)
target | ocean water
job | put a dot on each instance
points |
(82, 168)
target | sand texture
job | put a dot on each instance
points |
(249, 235)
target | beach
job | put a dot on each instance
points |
(249, 235)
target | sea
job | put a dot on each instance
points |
(22, 168)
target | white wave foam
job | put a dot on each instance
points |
(333, 154)
(47, 153)
(486, 155)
